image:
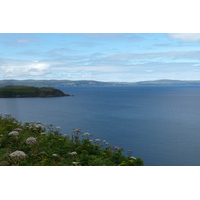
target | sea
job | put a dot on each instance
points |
(160, 124)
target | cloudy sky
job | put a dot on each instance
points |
(104, 57)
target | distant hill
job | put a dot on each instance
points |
(168, 82)
(29, 91)
(53, 83)
(50, 83)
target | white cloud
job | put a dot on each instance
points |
(22, 41)
(18, 69)
(172, 54)
(13, 39)
(185, 36)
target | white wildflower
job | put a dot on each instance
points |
(54, 154)
(133, 158)
(76, 130)
(72, 153)
(75, 163)
(31, 140)
(17, 129)
(87, 133)
(43, 133)
(18, 154)
(15, 133)
(58, 127)
(97, 140)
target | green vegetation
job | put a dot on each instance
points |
(36, 144)
(28, 91)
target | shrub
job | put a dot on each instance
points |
(37, 144)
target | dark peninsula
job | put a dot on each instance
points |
(28, 91)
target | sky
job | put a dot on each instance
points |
(118, 57)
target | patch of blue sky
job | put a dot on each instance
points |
(100, 56)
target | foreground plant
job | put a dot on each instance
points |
(17, 157)
(37, 144)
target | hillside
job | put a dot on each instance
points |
(37, 144)
(28, 91)
(53, 83)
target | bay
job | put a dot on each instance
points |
(160, 124)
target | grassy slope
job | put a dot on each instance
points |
(53, 149)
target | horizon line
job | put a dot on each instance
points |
(98, 81)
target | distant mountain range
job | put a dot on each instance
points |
(49, 83)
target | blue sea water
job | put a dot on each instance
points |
(160, 124)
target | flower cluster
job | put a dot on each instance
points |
(116, 148)
(75, 163)
(77, 130)
(18, 154)
(17, 129)
(72, 153)
(87, 133)
(14, 133)
(31, 140)
(132, 157)
(97, 140)
(33, 144)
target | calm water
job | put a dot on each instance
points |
(160, 124)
